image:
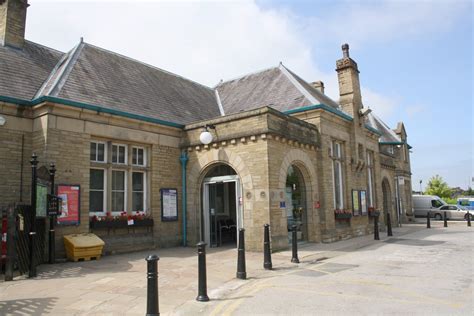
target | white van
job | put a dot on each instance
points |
(424, 203)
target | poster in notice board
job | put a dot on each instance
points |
(70, 206)
(169, 205)
(41, 197)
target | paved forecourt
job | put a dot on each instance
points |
(117, 284)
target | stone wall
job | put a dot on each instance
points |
(15, 154)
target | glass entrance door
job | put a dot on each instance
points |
(221, 210)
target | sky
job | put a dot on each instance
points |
(415, 57)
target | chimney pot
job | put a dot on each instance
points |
(345, 50)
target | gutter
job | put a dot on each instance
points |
(373, 130)
(320, 106)
(90, 107)
(184, 160)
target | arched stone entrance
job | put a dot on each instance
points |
(202, 163)
(296, 203)
(298, 182)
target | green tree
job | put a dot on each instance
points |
(437, 186)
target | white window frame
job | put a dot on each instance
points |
(91, 214)
(370, 176)
(125, 190)
(126, 154)
(337, 163)
(144, 190)
(144, 156)
(96, 151)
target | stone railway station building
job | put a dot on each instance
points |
(267, 147)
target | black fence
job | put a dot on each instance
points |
(15, 240)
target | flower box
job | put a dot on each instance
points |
(146, 222)
(374, 214)
(343, 215)
(109, 224)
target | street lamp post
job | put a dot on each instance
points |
(421, 192)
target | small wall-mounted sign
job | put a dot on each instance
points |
(282, 204)
(169, 205)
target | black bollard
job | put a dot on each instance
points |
(241, 273)
(428, 220)
(445, 219)
(294, 245)
(376, 228)
(267, 256)
(10, 258)
(389, 225)
(52, 172)
(152, 304)
(32, 232)
(202, 278)
(468, 219)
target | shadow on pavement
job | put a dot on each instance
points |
(30, 306)
(414, 242)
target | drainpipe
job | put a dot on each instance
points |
(184, 160)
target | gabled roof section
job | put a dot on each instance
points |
(275, 87)
(60, 73)
(96, 76)
(320, 98)
(23, 71)
(387, 135)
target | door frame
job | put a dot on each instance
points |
(205, 204)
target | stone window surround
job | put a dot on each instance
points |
(338, 161)
(129, 169)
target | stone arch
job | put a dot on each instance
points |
(302, 161)
(197, 170)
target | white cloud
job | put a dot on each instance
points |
(203, 41)
(209, 41)
(384, 21)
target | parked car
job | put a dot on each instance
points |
(424, 203)
(452, 212)
(466, 202)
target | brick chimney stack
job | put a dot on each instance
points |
(349, 85)
(12, 22)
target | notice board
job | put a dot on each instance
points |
(169, 205)
(70, 206)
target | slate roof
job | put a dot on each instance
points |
(388, 135)
(276, 87)
(22, 72)
(95, 76)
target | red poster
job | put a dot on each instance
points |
(70, 195)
